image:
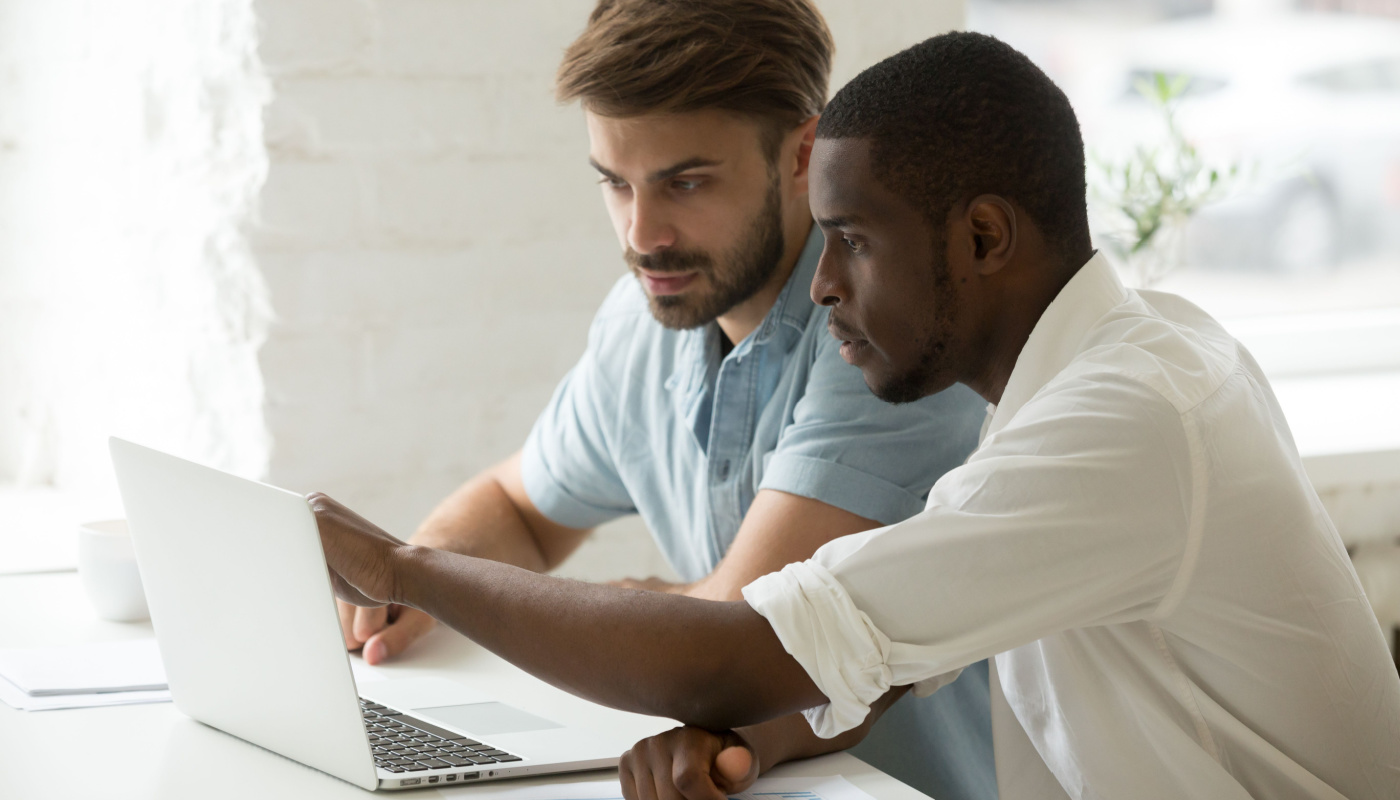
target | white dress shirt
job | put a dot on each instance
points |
(1171, 611)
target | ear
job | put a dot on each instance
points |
(991, 222)
(805, 135)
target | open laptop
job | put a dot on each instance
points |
(242, 606)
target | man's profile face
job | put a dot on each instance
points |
(696, 206)
(885, 276)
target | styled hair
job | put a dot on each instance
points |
(963, 114)
(766, 60)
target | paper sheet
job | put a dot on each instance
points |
(131, 665)
(828, 788)
(13, 696)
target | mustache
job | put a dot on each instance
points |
(667, 260)
(841, 330)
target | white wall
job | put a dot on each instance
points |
(433, 239)
(130, 152)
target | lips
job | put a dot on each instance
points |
(853, 347)
(842, 332)
(665, 283)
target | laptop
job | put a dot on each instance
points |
(244, 613)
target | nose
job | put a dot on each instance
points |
(650, 229)
(827, 286)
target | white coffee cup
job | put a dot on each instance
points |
(107, 568)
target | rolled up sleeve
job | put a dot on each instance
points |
(1074, 515)
(876, 460)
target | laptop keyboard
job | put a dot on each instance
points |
(403, 743)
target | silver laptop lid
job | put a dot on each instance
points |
(243, 609)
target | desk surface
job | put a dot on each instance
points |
(153, 752)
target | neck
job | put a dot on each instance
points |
(743, 319)
(1006, 333)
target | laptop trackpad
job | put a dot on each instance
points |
(488, 719)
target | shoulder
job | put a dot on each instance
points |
(1163, 343)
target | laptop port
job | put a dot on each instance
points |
(410, 781)
(432, 779)
(470, 776)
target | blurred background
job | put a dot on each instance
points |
(352, 245)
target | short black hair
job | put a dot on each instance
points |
(963, 114)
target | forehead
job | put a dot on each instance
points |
(657, 140)
(843, 184)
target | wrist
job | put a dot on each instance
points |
(405, 562)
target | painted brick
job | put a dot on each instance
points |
(458, 202)
(316, 37)
(324, 370)
(380, 118)
(477, 37)
(309, 204)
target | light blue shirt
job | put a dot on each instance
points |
(652, 421)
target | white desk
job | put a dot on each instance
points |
(153, 752)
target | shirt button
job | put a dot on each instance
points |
(724, 470)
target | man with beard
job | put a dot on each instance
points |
(710, 399)
(1135, 540)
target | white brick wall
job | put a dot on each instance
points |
(130, 153)
(433, 241)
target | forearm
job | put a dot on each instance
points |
(714, 665)
(480, 520)
(789, 738)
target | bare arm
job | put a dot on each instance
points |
(712, 664)
(779, 529)
(490, 516)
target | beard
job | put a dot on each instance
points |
(924, 377)
(732, 279)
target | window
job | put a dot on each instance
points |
(1305, 105)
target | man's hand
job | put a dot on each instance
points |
(688, 763)
(360, 555)
(382, 633)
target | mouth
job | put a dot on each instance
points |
(853, 347)
(666, 283)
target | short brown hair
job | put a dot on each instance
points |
(768, 60)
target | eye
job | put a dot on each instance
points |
(685, 184)
(852, 245)
(612, 183)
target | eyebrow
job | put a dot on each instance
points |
(838, 222)
(661, 174)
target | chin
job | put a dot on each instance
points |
(905, 387)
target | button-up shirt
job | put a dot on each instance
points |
(653, 421)
(1171, 611)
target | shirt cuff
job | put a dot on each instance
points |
(847, 488)
(553, 500)
(835, 642)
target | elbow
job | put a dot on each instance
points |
(715, 698)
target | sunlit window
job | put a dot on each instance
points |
(1294, 107)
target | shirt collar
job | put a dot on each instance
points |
(793, 307)
(1055, 340)
(790, 312)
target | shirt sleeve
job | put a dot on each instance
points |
(848, 448)
(567, 465)
(1075, 514)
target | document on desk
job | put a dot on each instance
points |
(96, 674)
(829, 788)
(132, 665)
